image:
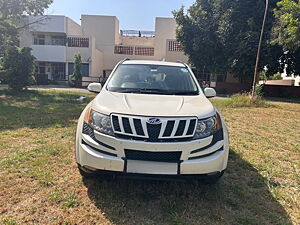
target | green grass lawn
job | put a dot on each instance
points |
(40, 184)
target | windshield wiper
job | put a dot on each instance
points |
(185, 93)
(155, 91)
(143, 91)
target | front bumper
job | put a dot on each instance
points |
(107, 153)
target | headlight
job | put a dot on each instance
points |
(99, 122)
(208, 127)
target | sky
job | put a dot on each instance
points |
(133, 14)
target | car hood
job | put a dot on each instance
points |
(152, 105)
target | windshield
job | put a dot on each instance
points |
(153, 79)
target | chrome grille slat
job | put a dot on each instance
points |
(163, 128)
(144, 125)
(186, 127)
(175, 128)
(140, 123)
(121, 124)
(132, 126)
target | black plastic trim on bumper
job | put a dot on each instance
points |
(206, 155)
(98, 150)
(88, 130)
(218, 136)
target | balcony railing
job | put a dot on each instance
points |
(124, 50)
(79, 42)
(137, 33)
(134, 50)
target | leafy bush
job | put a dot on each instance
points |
(2, 77)
(76, 78)
(259, 90)
(18, 64)
(276, 76)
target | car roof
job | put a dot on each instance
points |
(149, 62)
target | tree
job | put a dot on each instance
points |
(197, 33)
(287, 26)
(286, 33)
(222, 35)
(77, 75)
(18, 64)
(11, 13)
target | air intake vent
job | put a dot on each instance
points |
(153, 156)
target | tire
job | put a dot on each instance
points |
(213, 179)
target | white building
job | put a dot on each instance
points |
(56, 39)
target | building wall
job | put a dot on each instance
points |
(117, 31)
(73, 28)
(49, 53)
(96, 62)
(103, 28)
(280, 82)
(138, 41)
(165, 28)
(56, 24)
(295, 78)
(175, 56)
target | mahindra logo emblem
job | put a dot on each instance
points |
(154, 121)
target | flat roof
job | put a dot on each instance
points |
(150, 62)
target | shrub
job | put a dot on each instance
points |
(259, 90)
(77, 75)
(18, 64)
(276, 76)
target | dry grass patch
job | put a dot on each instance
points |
(244, 100)
(40, 184)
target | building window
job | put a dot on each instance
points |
(54, 71)
(40, 68)
(78, 42)
(175, 46)
(58, 71)
(149, 51)
(39, 39)
(58, 40)
(124, 50)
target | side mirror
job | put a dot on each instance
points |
(210, 92)
(94, 87)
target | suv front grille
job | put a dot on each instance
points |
(153, 156)
(137, 127)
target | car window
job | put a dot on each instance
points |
(152, 79)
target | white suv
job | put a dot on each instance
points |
(151, 118)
